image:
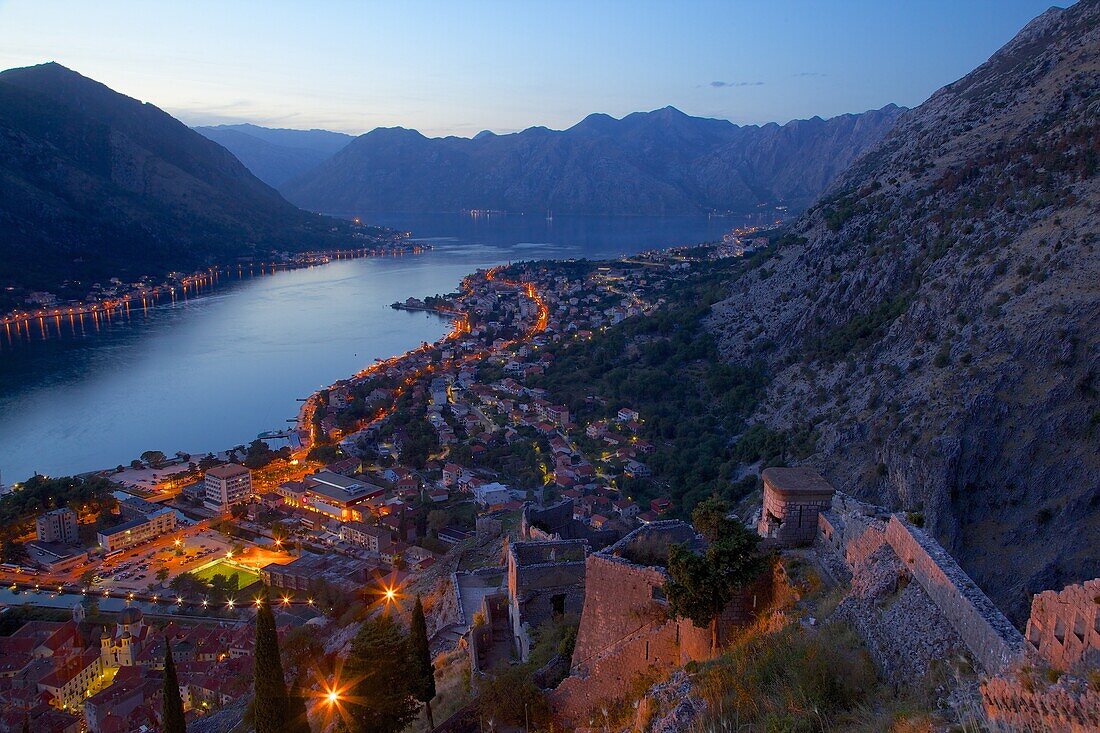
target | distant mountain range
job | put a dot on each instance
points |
(647, 163)
(932, 324)
(276, 155)
(94, 184)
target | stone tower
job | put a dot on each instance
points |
(793, 497)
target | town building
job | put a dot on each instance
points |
(375, 539)
(227, 485)
(59, 525)
(137, 531)
(310, 572)
(339, 497)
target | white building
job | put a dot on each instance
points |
(60, 525)
(491, 494)
(226, 485)
(137, 531)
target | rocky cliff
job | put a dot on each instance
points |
(660, 162)
(933, 322)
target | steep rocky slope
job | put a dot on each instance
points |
(95, 184)
(276, 155)
(661, 162)
(934, 321)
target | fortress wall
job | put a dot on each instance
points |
(989, 636)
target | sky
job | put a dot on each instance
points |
(458, 67)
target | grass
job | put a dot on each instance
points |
(245, 577)
(800, 679)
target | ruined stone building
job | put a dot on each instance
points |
(546, 580)
(1065, 626)
(556, 522)
(793, 498)
(626, 634)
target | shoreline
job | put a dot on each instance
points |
(196, 280)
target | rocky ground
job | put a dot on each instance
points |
(933, 324)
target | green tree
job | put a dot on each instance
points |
(297, 716)
(420, 660)
(700, 586)
(270, 704)
(172, 711)
(153, 458)
(380, 696)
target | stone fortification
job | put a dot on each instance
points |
(626, 636)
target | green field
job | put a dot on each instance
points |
(245, 577)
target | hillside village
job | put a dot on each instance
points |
(537, 526)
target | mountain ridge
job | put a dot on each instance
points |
(275, 155)
(95, 184)
(658, 162)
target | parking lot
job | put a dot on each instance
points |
(137, 569)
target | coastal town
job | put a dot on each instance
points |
(386, 473)
(525, 505)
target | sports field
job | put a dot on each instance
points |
(245, 577)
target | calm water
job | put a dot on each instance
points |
(211, 372)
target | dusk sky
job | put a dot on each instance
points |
(460, 67)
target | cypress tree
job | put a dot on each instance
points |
(297, 716)
(420, 661)
(172, 710)
(270, 704)
(379, 698)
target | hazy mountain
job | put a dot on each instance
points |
(934, 324)
(95, 184)
(661, 162)
(276, 155)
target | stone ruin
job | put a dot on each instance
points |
(626, 634)
(793, 498)
(1065, 626)
(907, 599)
(546, 580)
(1064, 631)
(556, 522)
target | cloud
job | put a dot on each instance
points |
(809, 73)
(724, 84)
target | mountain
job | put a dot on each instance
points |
(660, 162)
(94, 184)
(276, 155)
(932, 325)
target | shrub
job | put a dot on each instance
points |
(793, 680)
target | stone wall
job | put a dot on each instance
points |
(1067, 707)
(990, 637)
(544, 579)
(626, 637)
(1065, 626)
